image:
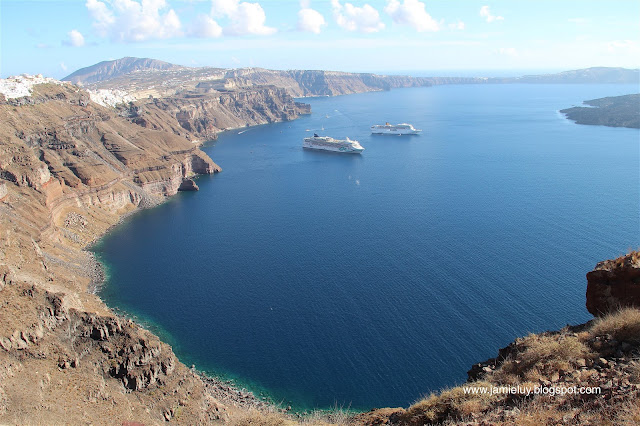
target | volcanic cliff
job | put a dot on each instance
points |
(69, 170)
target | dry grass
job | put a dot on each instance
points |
(623, 325)
(258, 418)
(451, 404)
(543, 411)
(629, 414)
(634, 372)
(335, 416)
(551, 349)
(253, 417)
(631, 258)
(541, 356)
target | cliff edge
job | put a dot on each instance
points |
(70, 169)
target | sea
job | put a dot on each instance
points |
(322, 280)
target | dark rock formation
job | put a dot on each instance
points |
(614, 284)
(188, 185)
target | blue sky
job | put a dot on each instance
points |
(55, 38)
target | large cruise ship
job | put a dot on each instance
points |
(394, 129)
(330, 144)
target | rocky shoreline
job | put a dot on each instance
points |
(220, 389)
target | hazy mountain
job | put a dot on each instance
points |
(110, 74)
(595, 75)
(106, 70)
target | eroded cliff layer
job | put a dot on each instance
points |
(203, 112)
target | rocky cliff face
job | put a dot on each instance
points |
(300, 83)
(69, 169)
(203, 113)
(614, 284)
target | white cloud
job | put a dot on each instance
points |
(103, 19)
(310, 20)
(457, 26)
(245, 18)
(624, 46)
(485, 13)
(205, 27)
(76, 39)
(411, 13)
(365, 19)
(63, 66)
(132, 20)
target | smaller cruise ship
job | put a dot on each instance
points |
(394, 129)
(330, 144)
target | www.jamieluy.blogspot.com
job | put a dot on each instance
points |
(533, 390)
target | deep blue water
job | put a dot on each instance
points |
(369, 280)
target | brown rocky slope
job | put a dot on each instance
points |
(69, 170)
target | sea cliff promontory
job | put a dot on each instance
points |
(613, 111)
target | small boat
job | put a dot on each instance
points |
(394, 129)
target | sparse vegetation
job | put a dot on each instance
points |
(623, 326)
(257, 418)
(451, 404)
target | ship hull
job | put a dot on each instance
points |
(342, 149)
(394, 132)
(400, 129)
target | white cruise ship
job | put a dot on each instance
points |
(394, 129)
(330, 144)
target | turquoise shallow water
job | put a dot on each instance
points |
(369, 280)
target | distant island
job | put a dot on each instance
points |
(613, 111)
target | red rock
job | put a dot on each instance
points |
(614, 284)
